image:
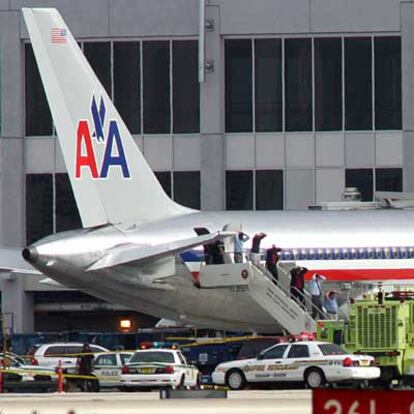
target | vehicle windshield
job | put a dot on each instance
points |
(32, 350)
(331, 349)
(152, 356)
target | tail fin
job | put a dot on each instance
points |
(110, 178)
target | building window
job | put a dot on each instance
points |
(156, 75)
(44, 195)
(269, 190)
(239, 190)
(328, 84)
(99, 57)
(39, 206)
(67, 214)
(127, 84)
(362, 179)
(298, 84)
(38, 116)
(187, 188)
(388, 179)
(238, 76)
(164, 178)
(358, 83)
(387, 82)
(268, 85)
(186, 89)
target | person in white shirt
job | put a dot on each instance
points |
(316, 293)
(239, 239)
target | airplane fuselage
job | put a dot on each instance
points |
(351, 246)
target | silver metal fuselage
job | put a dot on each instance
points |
(65, 258)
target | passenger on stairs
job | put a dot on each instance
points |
(239, 239)
(331, 305)
(297, 284)
(255, 250)
(272, 257)
(316, 292)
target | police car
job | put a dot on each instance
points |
(314, 363)
(107, 368)
(152, 368)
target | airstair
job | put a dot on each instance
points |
(272, 295)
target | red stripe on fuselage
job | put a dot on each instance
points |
(355, 275)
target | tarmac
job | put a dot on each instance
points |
(240, 402)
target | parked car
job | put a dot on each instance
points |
(312, 363)
(18, 376)
(49, 355)
(107, 368)
(152, 368)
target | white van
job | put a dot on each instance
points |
(49, 355)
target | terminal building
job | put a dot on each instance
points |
(294, 101)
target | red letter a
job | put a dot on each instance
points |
(88, 160)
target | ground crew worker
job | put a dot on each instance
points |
(85, 366)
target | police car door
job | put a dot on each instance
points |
(107, 370)
(296, 361)
(267, 366)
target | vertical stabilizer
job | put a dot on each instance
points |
(110, 178)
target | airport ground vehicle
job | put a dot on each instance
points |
(382, 327)
(107, 368)
(49, 355)
(313, 363)
(155, 368)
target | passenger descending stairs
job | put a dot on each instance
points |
(271, 295)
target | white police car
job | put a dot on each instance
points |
(314, 363)
(152, 368)
(107, 368)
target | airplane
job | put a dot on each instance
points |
(139, 248)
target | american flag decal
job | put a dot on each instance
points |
(58, 35)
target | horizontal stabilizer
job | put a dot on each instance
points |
(50, 282)
(126, 253)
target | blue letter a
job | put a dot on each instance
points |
(109, 159)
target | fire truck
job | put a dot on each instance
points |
(381, 326)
